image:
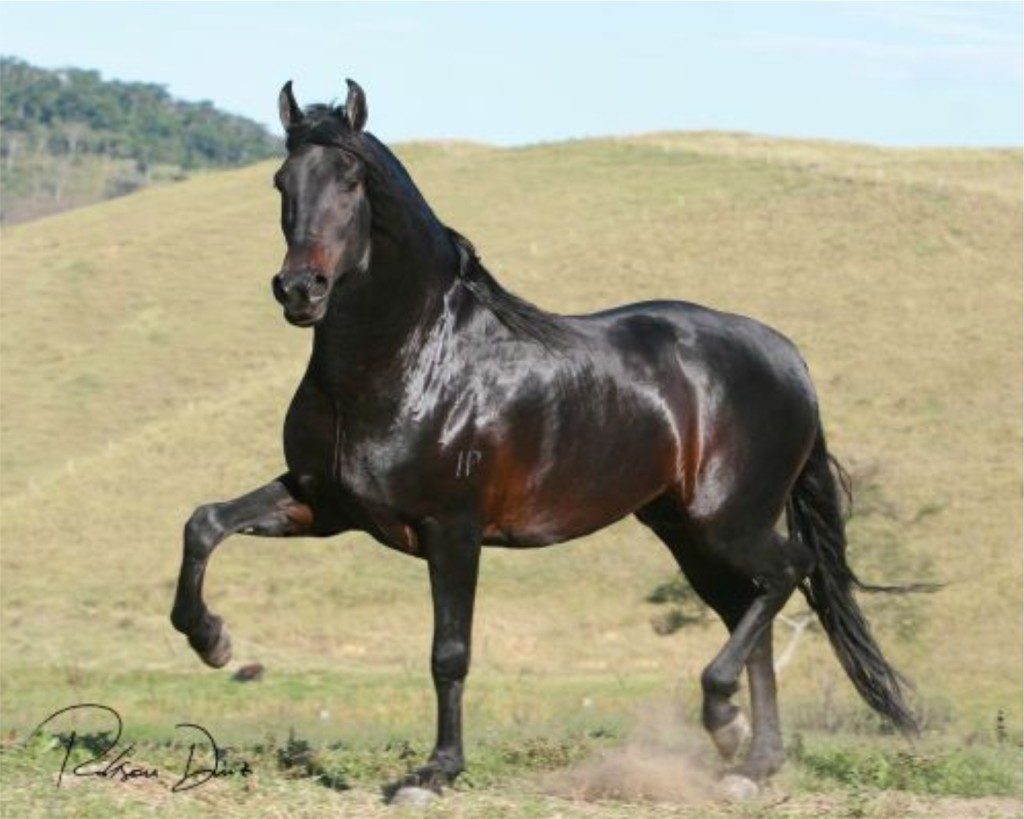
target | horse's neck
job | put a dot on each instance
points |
(372, 327)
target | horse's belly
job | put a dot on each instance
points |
(572, 497)
(545, 524)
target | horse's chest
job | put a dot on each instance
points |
(362, 488)
(352, 469)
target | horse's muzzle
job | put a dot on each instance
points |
(303, 294)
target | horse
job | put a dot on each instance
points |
(440, 413)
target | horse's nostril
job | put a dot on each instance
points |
(319, 285)
(277, 284)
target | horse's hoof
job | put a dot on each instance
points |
(731, 736)
(218, 653)
(735, 788)
(413, 797)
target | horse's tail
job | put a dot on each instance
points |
(814, 514)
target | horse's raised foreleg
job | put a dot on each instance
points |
(452, 550)
(270, 511)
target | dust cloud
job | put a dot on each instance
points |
(665, 759)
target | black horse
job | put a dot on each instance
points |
(440, 413)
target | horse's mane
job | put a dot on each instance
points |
(516, 313)
(391, 190)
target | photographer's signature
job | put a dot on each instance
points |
(120, 768)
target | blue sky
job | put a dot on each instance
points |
(511, 73)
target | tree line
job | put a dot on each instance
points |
(70, 111)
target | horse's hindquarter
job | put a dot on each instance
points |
(751, 412)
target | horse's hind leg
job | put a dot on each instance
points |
(766, 752)
(774, 566)
(729, 595)
(746, 600)
(271, 511)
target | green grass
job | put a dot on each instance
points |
(146, 369)
(938, 771)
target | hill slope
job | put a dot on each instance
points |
(145, 369)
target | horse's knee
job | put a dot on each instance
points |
(449, 662)
(203, 532)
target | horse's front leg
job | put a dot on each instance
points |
(271, 511)
(452, 550)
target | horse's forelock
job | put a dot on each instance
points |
(321, 124)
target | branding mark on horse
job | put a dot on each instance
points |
(468, 459)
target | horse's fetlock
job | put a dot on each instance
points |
(451, 762)
(717, 683)
(183, 619)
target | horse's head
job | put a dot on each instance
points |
(325, 212)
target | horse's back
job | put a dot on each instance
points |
(724, 351)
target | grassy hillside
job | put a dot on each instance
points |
(145, 369)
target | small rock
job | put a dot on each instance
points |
(736, 788)
(412, 797)
(249, 673)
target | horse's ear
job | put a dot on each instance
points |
(288, 108)
(355, 106)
